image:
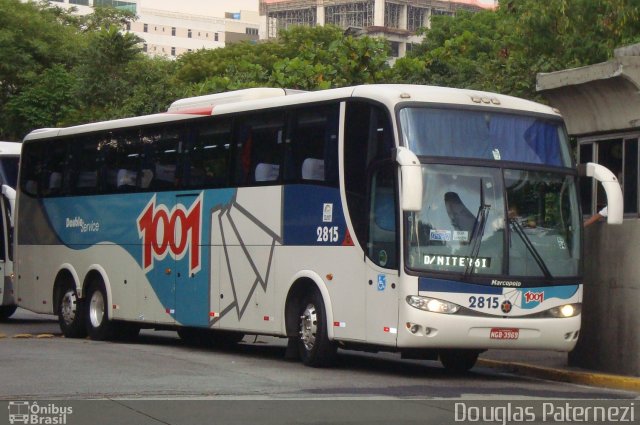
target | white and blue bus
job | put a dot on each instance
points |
(429, 221)
(9, 159)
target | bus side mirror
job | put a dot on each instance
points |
(611, 186)
(410, 180)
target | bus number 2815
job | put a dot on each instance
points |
(327, 234)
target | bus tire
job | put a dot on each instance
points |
(458, 361)
(316, 350)
(98, 325)
(7, 311)
(71, 313)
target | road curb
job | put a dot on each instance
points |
(617, 382)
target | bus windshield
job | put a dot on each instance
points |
(490, 221)
(484, 135)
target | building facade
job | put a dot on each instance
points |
(396, 20)
(171, 28)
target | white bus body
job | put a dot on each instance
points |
(425, 220)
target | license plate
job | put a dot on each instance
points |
(504, 333)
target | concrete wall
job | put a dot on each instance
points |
(610, 340)
(602, 102)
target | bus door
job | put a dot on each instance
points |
(191, 256)
(382, 258)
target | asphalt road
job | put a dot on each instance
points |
(159, 380)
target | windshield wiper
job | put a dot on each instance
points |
(478, 232)
(529, 245)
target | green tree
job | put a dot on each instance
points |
(302, 58)
(45, 102)
(455, 51)
(33, 38)
(103, 78)
(504, 50)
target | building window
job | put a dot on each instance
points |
(215, 37)
(621, 157)
(395, 48)
(173, 51)
(144, 47)
(146, 28)
(251, 31)
(173, 31)
(392, 14)
(189, 33)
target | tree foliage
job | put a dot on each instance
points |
(301, 58)
(504, 50)
(61, 69)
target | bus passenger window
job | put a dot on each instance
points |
(312, 151)
(161, 149)
(85, 154)
(53, 171)
(258, 150)
(209, 154)
(123, 160)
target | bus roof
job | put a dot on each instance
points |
(263, 98)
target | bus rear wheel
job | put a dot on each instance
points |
(71, 313)
(314, 346)
(98, 325)
(458, 361)
(7, 311)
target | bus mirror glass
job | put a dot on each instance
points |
(611, 186)
(410, 180)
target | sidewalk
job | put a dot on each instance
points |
(552, 365)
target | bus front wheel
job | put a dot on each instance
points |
(458, 361)
(71, 313)
(98, 325)
(315, 348)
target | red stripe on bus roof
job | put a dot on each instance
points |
(200, 110)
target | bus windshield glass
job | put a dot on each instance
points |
(490, 221)
(484, 135)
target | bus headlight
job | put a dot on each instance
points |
(567, 310)
(432, 304)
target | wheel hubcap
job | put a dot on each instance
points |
(309, 327)
(69, 307)
(96, 309)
